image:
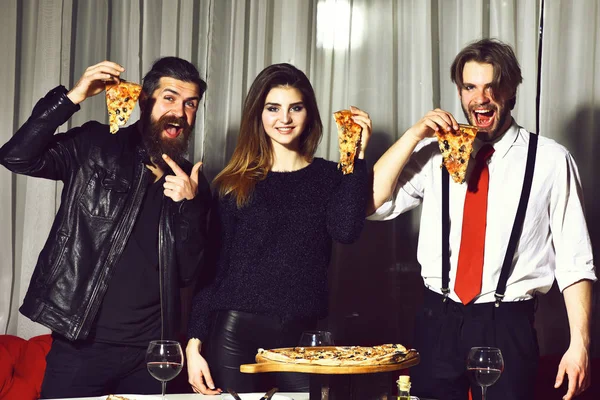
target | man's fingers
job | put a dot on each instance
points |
(177, 180)
(174, 186)
(176, 169)
(107, 67)
(108, 64)
(571, 389)
(195, 169)
(432, 125)
(105, 71)
(443, 118)
(559, 376)
(586, 382)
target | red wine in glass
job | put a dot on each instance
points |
(484, 376)
(164, 359)
(484, 366)
(164, 371)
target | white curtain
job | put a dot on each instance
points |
(8, 279)
(570, 114)
(388, 57)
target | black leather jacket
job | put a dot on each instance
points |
(104, 184)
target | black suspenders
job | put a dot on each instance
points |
(514, 235)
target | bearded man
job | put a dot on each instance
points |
(489, 247)
(130, 230)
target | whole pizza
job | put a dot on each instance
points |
(336, 355)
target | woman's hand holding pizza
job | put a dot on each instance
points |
(433, 121)
(94, 80)
(362, 119)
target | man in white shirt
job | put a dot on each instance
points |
(553, 243)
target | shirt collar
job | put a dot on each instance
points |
(502, 144)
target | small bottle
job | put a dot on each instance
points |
(403, 387)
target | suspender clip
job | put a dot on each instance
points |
(499, 298)
(445, 293)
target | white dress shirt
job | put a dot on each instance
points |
(554, 242)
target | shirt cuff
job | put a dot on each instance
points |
(564, 279)
(384, 212)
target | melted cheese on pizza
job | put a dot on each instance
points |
(348, 139)
(120, 102)
(456, 148)
(338, 355)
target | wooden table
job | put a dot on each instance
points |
(339, 382)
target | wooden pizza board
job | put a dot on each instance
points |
(264, 365)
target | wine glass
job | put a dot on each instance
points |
(484, 366)
(315, 338)
(164, 360)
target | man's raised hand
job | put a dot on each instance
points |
(94, 79)
(181, 186)
(434, 120)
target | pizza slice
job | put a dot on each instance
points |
(348, 138)
(456, 148)
(120, 102)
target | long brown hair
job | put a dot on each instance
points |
(507, 73)
(253, 155)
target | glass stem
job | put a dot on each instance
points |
(483, 392)
(164, 389)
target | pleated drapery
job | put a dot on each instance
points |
(388, 57)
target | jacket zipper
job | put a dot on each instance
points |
(161, 267)
(118, 243)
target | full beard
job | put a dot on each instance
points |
(491, 133)
(157, 144)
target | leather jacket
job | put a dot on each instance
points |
(105, 180)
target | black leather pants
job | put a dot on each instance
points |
(234, 339)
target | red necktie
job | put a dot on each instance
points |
(470, 256)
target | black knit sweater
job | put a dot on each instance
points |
(273, 254)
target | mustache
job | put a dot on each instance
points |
(488, 107)
(172, 120)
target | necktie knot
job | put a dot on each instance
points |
(484, 153)
(481, 158)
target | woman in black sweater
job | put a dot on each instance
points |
(276, 213)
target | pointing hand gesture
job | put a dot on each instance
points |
(94, 79)
(181, 186)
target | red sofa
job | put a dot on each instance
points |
(22, 366)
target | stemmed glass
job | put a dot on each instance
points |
(315, 338)
(484, 365)
(164, 359)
